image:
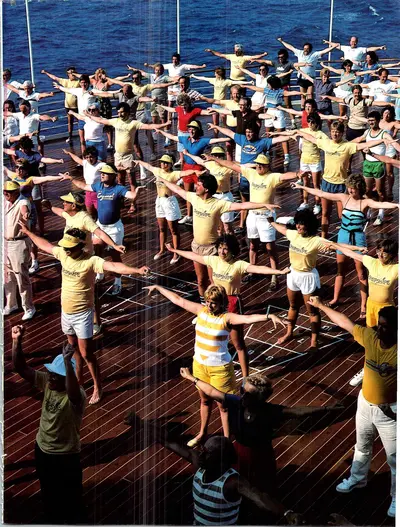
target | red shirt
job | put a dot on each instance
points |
(185, 118)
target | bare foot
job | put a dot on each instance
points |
(96, 397)
(285, 338)
(363, 314)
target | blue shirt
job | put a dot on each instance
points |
(273, 98)
(109, 202)
(251, 149)
(195, 148)
(33, 159)
(367, 77)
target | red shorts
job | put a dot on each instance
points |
(193, 177)
(235, 304)
(91, 199)
(257, 465)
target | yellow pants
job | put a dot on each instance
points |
(373, 309)
(220, 377)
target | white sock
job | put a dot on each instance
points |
(117, 281)
(142, 171)
(381, 213)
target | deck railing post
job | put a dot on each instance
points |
(28, 25)
(178, 27)
(330, 27)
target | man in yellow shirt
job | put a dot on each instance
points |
(77, 295)
(376, 407)
(125, 132)
(58, 446)
(337, 159)
(263, 183)
(237, 59)
(206, 217)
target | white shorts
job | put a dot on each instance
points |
(123, 161)
(115, 231)
(311, 167)
(258, 226)
(226, 217)
(238, 153)
(79, 324)
(167, 207)
(306, 282)
(279, 122)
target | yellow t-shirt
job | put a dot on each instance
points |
(70, 100)
(212, 336)
(221, 174)
(227, 274)
(382, 280)
(124, 134)
(60, 420)
(310, 153)
(220, 87)
(380, 367)
(337, 158)
(206, 217)
(229, 104)
(77, 288)
(262, 188)
(83, 221)
(140, 91)
(162, 189)
(241, 60)
(303, 251)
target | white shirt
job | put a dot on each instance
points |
(28, 124)
(376, 89)
(258, 98)
(91, 173)
(10, 126)
(33, 98)
(93, 130)
(311, 59)
(84, 99)
(354, 54)
(9, 94)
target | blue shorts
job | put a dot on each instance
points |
(244, 186)
(101, 148)
(352, 238)
(333, 188)
(81, 124)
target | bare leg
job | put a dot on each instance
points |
(86, 350)
(340, 278)
(162, 227)
(82, 140)
(326, 216)
(215, 118)
(294, 304)
(174, 230)
(243, 213)
(315, 320)
(363, 286)
(205, 413)
(223, 412)
(202, 277)
(189, 187)
(254, 245)
(237, 338)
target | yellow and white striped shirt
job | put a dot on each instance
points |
(212, 336)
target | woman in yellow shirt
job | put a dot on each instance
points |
(212, 362)
(303, 280)
(228, 273)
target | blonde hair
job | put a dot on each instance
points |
(216, 293)
(262, 383)
(99, 72)
(323, 72)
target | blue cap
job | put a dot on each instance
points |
(58, 366)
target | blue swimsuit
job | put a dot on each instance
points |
(352, 228)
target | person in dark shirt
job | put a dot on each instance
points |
(252, 421)
(245, 116)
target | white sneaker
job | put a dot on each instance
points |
(303, 206)
(185, 219)
(8, 310)
(180, 182)
(175, 259)
(286, 160)
(29, 313)
(357, 379)
(110, 148)
(378, 221)
(97, 329)
(392, 509)
(153, 157)
(143, 174)
(167, 141)
(99, 277)
(348, 485)
(317, 210)
(177, 164)
(158, 256)
(42, 165)
(34, 268)
(194, 321)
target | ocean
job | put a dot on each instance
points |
(112, 33)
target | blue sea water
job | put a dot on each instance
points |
(113, 33)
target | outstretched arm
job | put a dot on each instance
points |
(305, 411)
(278, 227)
(40, 243)
(286, 44)
(216, 53)
(225, 131)
(121, 268)
(18, 358)
(206, 388)
(72, 386)
(192, 307)
(225, 163)
(320, 193)
(337, 318)
(386, 159)
(189, 255)
(73, 156)
(175, 188)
